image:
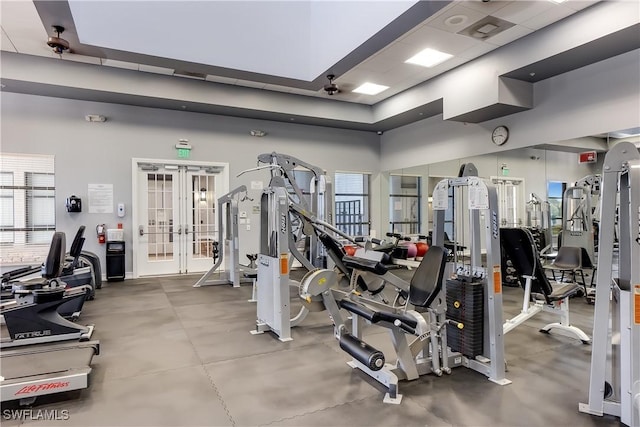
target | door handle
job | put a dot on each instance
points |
(141, 231)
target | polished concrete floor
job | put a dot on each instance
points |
(174, 355)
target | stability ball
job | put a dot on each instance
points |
(350, 250)
(422, 248)
(412, 250)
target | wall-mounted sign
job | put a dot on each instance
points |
(100, 198)
(587, 157)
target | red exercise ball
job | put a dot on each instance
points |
(422, 247)
(350, 250)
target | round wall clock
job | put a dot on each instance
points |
(500, 135)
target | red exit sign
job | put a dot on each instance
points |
(588, 157)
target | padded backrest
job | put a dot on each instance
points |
(520, 248)
(76, 245)
(55, 259)
(336, 252)
(426, 282)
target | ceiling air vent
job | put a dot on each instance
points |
(487, 27)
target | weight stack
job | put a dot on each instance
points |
(465, 304)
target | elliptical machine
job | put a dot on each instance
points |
(78, 268)
(32, 317)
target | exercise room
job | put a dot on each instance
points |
(320, 213)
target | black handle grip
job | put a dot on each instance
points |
(400, 324)
(359, 239)
(376, 241)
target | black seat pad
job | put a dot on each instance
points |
(426, 282)
(377, 316)
(365, 264)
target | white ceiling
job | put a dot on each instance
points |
(292, 39)
(255, 42)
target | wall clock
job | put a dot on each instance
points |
(500, 135)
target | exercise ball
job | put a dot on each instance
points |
(412, 250)
(350, 250)
(422, 248)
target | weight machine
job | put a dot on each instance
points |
(480, 280)
(510, 193)
(431, 333)
(539, 219)
(578, 216)
(614, 385)
(283, 207)
(234, 273)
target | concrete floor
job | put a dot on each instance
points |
(174, 355)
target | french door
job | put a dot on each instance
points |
(175, 217)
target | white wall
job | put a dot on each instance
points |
(101, 153)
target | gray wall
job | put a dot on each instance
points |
(596, 99)
(101, 153)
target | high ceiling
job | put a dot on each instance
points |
(285, 46)
(270, 59)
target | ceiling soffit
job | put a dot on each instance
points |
(60, 13)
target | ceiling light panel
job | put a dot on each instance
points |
(370, 88)
(437, 39)
(429, 58)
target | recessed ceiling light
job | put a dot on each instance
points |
(370, 88)
(557, 1)
(428, 58)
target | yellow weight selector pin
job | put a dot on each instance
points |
(456, 304)
(460, 325)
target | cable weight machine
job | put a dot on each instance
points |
(234, 273)
(614, 384)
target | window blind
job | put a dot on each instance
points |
(27, 215)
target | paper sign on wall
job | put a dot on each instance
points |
(100, 198)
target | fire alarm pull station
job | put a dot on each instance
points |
(101, 231)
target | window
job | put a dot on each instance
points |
(555, 191)
(404, 204)
(27, 215)
(352, 203)
(6, 208)
(40, 207)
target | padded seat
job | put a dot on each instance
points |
(564, 291)
(365, 264)
(519, 244)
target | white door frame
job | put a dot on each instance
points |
(135, 164)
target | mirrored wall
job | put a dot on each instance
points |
(516, 174)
